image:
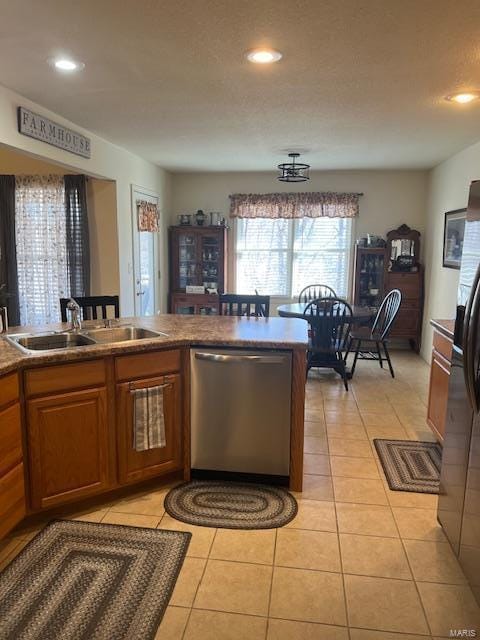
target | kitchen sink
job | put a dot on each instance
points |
(122, 334)
(69, 339)
(51, 341)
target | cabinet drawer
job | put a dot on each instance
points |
(443, 345)
(8, 389)
(10, 438)
(12, 499)
(406, 323)
(143, 365)
(64, 377)
(408, 283)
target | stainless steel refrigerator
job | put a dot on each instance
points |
(459, 499)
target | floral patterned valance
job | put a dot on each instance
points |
(147, 216)
(294, 205)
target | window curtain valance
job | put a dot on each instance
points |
(294, 205)
(147, 216)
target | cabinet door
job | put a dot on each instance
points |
(137, 465)
(12, 490)
(68, 446)
(438, 394)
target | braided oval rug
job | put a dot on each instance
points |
(89, 581)
(231, 505)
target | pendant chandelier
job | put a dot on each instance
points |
(293, 171)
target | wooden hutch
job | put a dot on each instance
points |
(404, 272)
(197, 257)
(378, 270)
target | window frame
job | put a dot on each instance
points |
(290, 259)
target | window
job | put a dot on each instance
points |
(41, 244)
(281, 256)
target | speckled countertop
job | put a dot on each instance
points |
(269, 333)
(447, 327)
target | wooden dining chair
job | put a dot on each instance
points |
(330, 322)
(90, 305)
(233, 304)
(315, 292)
(363, 340)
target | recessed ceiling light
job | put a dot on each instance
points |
(263, 56)
(66, 64)
(463, 98)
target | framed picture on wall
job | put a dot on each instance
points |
(453, 238)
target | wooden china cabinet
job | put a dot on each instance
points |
(197, 257)
(404, 272)
(369, 276)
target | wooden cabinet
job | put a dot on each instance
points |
(80, 426)
(198, 257)
(12, 485)
(139, 465)
(408, 324)
(198, 304)
(68, 446)
(139, 372)
(439, 380)
(405, 273)
(67, 432)
(369, 284)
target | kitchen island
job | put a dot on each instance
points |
(66, 414)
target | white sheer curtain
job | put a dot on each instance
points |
(40, 228)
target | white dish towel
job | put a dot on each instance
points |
(148, 418)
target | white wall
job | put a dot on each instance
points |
(390, 197)
(107, 161)
(449, 184)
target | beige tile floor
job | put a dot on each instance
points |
(359, 562)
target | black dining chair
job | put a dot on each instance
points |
(363, 340)
(233, 304)
(90, 305)
(315, 292)
(330, 322)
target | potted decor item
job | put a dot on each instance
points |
(200, 218)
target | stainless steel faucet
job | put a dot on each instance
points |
(74, 308)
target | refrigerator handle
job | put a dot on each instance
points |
(471, 346)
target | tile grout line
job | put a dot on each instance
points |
(345, 604)
(271, 585)
(198, 585)
(372, 446)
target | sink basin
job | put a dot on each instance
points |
(51, 341)
(122, 334)
(67, 339)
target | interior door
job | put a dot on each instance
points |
(146, 259)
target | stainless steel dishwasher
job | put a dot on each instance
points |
(240, 410)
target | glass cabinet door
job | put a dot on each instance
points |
(187, 260)
(371, 280)
(210, 260)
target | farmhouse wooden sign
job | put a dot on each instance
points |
(36, 126)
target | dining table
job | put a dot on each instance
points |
(360, 315)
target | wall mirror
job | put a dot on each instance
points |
(403, 249)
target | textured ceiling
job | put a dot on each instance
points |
(360, 84)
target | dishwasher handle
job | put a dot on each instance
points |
(217, 357)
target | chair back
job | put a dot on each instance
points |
(330, 321)
(387, 313)
(315, 292)
(90, 306)
(232, 304)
